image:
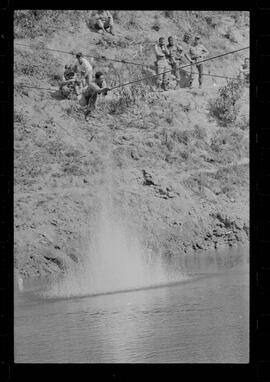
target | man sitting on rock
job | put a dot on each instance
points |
(70, 83)
(104, 22)
(90, 93)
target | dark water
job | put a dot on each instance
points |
(204, 318)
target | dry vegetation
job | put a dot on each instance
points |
(182, 138)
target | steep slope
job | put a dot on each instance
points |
(174, 175)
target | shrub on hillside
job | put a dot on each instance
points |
(225, 107)
(199, 132)
(183, 153)
(242, 120)
(116, 15)
(132, 22)
(126, 97)
(19, 117)
(229, 144)
(39, 65)
(33, 23)
(210, 20)
(181, 136)
(173, 144)
(169, 14)
(233, 35)
(232, 178)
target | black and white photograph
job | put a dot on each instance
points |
(131, 186)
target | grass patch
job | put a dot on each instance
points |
(19, 117)
(40, 66)
(34, 23)
(225, 181)
(127, 96)
(132, 22)
(229, 144)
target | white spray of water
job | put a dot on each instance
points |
(116, 260)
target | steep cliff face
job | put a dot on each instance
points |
(160, 163)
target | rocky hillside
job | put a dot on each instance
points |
(167, 165)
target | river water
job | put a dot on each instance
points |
(204, 318)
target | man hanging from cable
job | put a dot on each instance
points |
(91, 92)
(197, 52)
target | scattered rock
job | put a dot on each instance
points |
(216, 190)
(134, 154)
(238, 225)
(246, 229)
(73, 257)
(57, 260)
(148, 180)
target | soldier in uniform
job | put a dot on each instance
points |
(197, 52)
(70, 83)
(84, 68)
(161, 63)
(176, 58)
(90, 93)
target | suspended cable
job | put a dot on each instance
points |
(168, 71)
(181, 67)
(86, 55)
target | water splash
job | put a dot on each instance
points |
(116, 259)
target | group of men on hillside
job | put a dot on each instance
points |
(78, 79)
(172, 56)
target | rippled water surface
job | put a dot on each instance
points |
(203, 318)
